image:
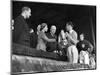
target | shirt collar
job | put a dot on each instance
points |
(52, 34)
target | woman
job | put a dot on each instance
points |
(42, 38)
(62, 38)
(62, 43)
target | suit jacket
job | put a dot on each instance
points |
(21, 31)
(51, 46)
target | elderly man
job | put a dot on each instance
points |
(51, 46)
(21, 29)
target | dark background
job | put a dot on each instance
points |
(82, 16)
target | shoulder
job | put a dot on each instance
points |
(41, 33)
(86, 41)
(18, 19)
(74, 32)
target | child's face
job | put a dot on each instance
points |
(81, 37)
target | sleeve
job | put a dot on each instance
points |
(89, 45)
(17, 29)
(46, 38)
(59, 39)
(74, 37)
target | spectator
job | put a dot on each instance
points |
(52, 46)
(21, 29)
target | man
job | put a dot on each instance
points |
(84, 48)
(51, 46)
(71, 36)
(21, 29)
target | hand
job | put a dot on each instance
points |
(66, 34)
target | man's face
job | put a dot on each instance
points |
(81, 37)
(68, 27)
(28, 13)
(53, 29)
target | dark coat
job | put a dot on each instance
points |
(51, 46)
(21, 31)
(86, 43)
(33, 40)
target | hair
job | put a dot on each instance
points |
(53, 26)
(43, 26)
(25, 9)
(69, 23)
(82, 34)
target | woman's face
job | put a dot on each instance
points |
(46, 28)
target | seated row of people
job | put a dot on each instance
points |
(67, 45)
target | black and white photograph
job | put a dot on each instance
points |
(52, 37)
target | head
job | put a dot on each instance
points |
(81, 36)
(26, 11)
(69, 26)
(53, 29)
(44, 27)
(62, 33)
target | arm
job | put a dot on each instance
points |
(47, 39)
(59, 39)
(72, 37)
(90, 46)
